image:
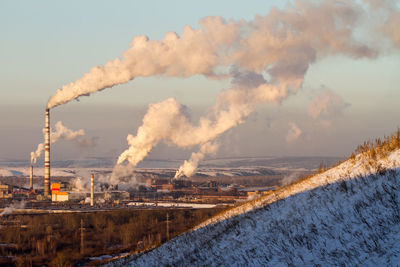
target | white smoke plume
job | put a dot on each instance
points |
(62, 132)
(280, 45)
(283, 43)
(169, 121)
(125, 177)
(189, 166)
(326, 104)
(294, 133)
(81, 181)
(387, 12)
(79, 184)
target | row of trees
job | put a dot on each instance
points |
(48, 238)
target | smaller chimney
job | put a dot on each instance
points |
(91, 190)
(31, 178)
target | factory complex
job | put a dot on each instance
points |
(51, 191)
(155, 192)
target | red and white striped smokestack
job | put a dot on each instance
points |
(91, 189)
(47, 155)
(31, 177)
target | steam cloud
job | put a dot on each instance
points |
(294, 133)
(62, 132)
(189, 166)
(283, 43)
(280, 45)
(389, 18)
(327, 103)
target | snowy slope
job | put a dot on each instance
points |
(348, 215)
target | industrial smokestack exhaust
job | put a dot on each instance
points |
(47, 155)
(31, 177)
(91, 189)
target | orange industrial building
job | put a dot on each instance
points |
(56, 194)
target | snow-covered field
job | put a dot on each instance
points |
(348, 215)
(173, 205)
(73, 172)
(24, 171)
(162, 168)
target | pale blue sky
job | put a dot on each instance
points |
(46, 44)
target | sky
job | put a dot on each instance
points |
(47, 44)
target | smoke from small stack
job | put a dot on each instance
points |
(62, 132)
(189, 166)
(282, 45)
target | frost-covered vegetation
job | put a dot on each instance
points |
(347, 215)
(378, 148)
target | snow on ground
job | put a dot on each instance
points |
(5, 172)
(24, 171)
(173, 204)
(348, 215)
(210, 167)
(67, 172)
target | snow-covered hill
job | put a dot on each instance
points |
(348, 215)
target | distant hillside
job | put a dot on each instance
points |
(347, 215)
(308, 163)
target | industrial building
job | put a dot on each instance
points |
(6, 191)
(57, 194)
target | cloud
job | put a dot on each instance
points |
(294, 133)
(326, 104)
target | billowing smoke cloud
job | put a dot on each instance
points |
(388, 14)
(294, 133)
(392, 28)
(283, 43)
(124, 177)
(62, 132)
(189, 166)
(169, 121)
(280, 46)
(326, 104)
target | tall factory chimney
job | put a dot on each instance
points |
(31, 177)
(91, 190)
(47, 155)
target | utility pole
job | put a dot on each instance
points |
(167, 226)
(82, 238)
